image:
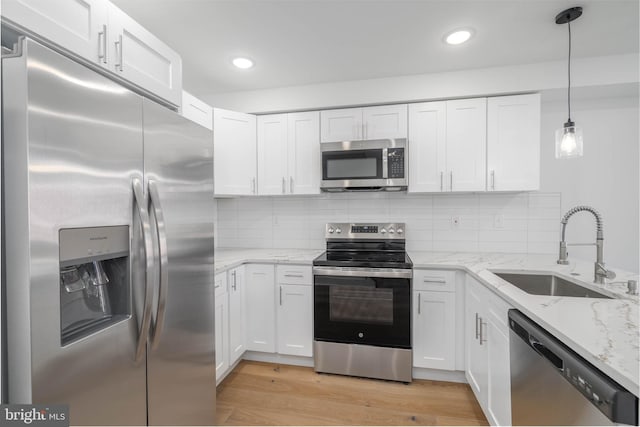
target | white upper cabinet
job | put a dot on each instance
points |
(341, 125)
(196, 110)
(273, 177)
(513, 143)
(427, 146)
(234, 142)
(385, 121)
(140, 57)
(78, 26)
(304, 152)
(349, 124)
(99, 32)
(289, 153)
(467, 144)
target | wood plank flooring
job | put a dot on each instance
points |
(257, 393)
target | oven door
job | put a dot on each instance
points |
(363, 306)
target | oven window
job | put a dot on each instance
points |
(356, 304)
(354, 164)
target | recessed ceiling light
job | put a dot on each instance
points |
(243, 63)
(458, 36)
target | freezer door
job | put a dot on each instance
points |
(178, 168)
(72, 148)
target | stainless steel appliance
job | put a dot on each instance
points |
(108, 212)
(373, 165)
(362, 302)
(552, 385)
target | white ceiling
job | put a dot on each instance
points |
(298, 42)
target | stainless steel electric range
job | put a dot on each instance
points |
(362, 302)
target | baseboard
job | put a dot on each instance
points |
(439, 375)
(278, 358)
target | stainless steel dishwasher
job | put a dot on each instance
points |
(553, 385)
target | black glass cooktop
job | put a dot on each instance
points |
(371, 259)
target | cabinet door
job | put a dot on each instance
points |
(295, 320)
(237, 321)
(141, 58)
(476, 350)
(273, 176)
(341, 125)
(427, 146)
(222, 334)
(499, 379)
(196, 110)
(513, 143)
(261, 307)
(77, 26)
(304, 152)
(385, 121)
(234, 145)
(434, 330)
(467, 144)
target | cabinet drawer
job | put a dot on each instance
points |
(434, 280)
(220, 281)
(294, 275)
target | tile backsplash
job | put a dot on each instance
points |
(514, 222)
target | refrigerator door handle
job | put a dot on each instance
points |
(149, 264)
(160, 227)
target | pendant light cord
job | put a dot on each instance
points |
(569, 73)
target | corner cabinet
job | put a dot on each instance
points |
(294, 310)
(237, 307)
(487, 351)
(221, 325)
(379, 122)
(261, 307)
(447, 145)
(99, 32)
(513, 143)
(234, 148)
(288, 149)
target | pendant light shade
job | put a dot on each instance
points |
(568, 137)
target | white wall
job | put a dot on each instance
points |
(529, 220)
(606, 177)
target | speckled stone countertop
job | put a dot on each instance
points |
(603, 331)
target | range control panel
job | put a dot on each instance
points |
(387, 231)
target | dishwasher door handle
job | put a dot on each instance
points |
(543, 351)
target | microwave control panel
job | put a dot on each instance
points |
(395, 157)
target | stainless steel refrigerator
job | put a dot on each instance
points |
(108, 212)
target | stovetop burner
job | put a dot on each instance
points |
(373, 245)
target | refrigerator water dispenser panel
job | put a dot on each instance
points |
(94, 280)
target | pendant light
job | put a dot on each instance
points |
(569, 137)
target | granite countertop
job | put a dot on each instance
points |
(603, 331)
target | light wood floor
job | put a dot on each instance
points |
(258, 393)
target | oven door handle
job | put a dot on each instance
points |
(363, 272)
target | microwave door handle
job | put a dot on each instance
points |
(385, 163)
(149, 268)
(164, 262)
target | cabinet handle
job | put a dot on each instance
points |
(234, 280)
(419, 300)
(477, 331)
(482, 339)
(291, 184)
(294, 275)
(429, 280)
(441, 180)
(284, 185)
(253, 185)
(451, 180)
(119, 51)
(102, 44)
(280, 295)
(493, 179)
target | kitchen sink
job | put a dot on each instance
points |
(547, 284)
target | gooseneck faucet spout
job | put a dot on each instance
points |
(600, 272)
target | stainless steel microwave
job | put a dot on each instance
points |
(373, 165)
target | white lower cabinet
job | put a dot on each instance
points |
(487, 351)
(294, 310)
(237, 329)
(221, 325)
(434, 319)
(260, 307)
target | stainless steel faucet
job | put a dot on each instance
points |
(600, 272)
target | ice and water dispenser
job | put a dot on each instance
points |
(94, 280)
